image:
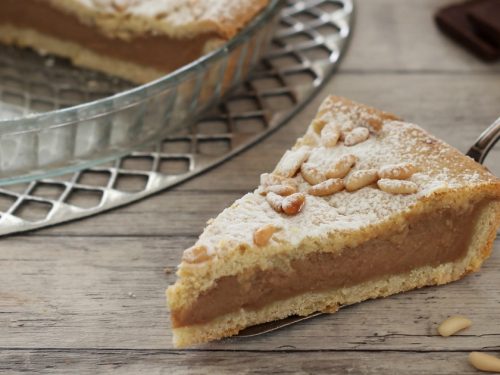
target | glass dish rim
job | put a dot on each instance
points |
(139, 93)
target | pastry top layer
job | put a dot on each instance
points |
(444, 177)
(175, 18)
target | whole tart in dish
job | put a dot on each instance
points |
(138, 40)
(363, 206)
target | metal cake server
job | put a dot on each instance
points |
(479, 151)
(485, 142)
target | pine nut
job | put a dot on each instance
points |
(330, 135)
(290, 163)
(484, 362)
(452, 325)
(356, 136)
(312, 174)
(397, 186)
(275, 201)
(318, 124)
(282, 190)
(342, 167)
(262, 235)
(293, 204)
(328, 187)
(400, 171)
(196, 254)
(345, 129)
(359, 179)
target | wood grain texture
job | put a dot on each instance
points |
(156, 362)
(88, 297)
(400, 35)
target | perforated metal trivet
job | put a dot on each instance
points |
(305, 52)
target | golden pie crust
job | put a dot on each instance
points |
(428, 217)
(139, 40)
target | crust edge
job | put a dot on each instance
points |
(331, 301)
(77, 54)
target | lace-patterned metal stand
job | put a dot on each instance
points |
(306, 50)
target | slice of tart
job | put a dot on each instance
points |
(363, 206)
(138, 40)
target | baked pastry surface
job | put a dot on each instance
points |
(363, 206)
(139, 40)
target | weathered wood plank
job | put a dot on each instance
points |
(179, 213)
(201, 362)
(109, 293)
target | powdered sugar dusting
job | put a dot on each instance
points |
(439, 167)
(173, 17)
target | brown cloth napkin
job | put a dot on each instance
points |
(474, 24)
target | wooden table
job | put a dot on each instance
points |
(88, 297)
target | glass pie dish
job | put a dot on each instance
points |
(56, 118)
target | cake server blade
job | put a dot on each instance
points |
(274, 325)
(485, 142)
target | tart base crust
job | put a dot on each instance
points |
(139, 41)
(79, 55)
(331, 301)
(443, 178)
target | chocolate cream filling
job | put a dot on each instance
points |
(428, 240)
(155, 51)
